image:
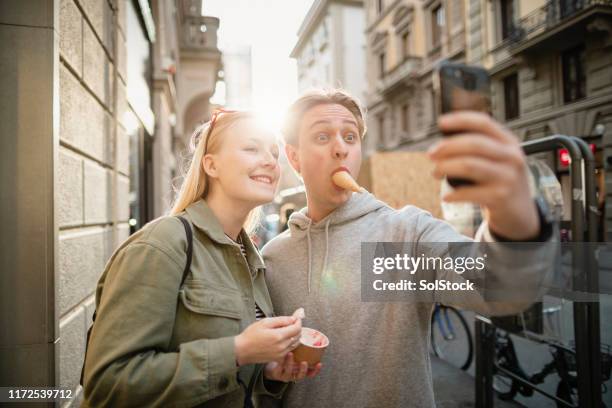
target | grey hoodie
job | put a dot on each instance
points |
(379, 351)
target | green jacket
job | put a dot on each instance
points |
(157, 344)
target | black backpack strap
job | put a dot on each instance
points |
(189, 234)
(248, 390)
(248, 398)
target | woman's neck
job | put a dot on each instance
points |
(231, 213)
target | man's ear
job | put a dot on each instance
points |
(292, 156)
(209, 166)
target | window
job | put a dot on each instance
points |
(141, 142)
(437, 25)
(379, 6)
(141, 177)
(574, 81)
(405, 45)
(569, 7)
(507, 17)
(511, 97)
(404, 121)
(381, 65)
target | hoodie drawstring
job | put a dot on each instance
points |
(326, 247)
(300, 223)
(309, 253)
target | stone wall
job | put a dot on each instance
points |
(92, 193)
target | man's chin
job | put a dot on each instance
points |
(341, 197)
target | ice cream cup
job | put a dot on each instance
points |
(311, 348)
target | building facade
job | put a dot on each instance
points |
(330, 52)
(105, 95)
(186, 66)
(550, 65)
(330, 47)
(237, 78)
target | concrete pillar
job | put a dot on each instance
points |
(29, 128)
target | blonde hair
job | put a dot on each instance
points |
(195, 182)
(315, 97)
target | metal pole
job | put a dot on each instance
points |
(485, 353)
(581, 311)
(592, 212)
(592, 273)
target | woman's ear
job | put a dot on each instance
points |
(293, 157)
(209, 166)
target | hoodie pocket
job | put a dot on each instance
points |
(209, 311)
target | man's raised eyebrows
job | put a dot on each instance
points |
(328, 122)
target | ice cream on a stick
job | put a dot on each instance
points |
(344, 180)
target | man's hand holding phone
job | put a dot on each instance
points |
(485, 152)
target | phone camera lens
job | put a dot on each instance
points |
(470, 82)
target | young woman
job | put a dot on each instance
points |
(156, 342)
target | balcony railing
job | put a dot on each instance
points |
(407, 68)
(550, 15)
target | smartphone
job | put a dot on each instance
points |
(461, 87)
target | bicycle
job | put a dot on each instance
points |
(506, 367)
(451, 339)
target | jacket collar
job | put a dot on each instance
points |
(204, 219)
(253, 257)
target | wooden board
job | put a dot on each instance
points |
(402, 178)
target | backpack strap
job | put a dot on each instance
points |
(189, 234)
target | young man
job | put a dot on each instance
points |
(378, 354)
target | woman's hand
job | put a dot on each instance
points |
(269, 339)
(290, 370)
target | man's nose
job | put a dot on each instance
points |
(339, 148)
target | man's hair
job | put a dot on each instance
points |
(317, 97)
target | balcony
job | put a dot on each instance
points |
(400, 75)
(199, 64)
(200, 33)
(555, 23)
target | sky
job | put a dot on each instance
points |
(270, 28)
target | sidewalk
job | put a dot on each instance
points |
(454, 388)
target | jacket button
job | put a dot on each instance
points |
(223, 383)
